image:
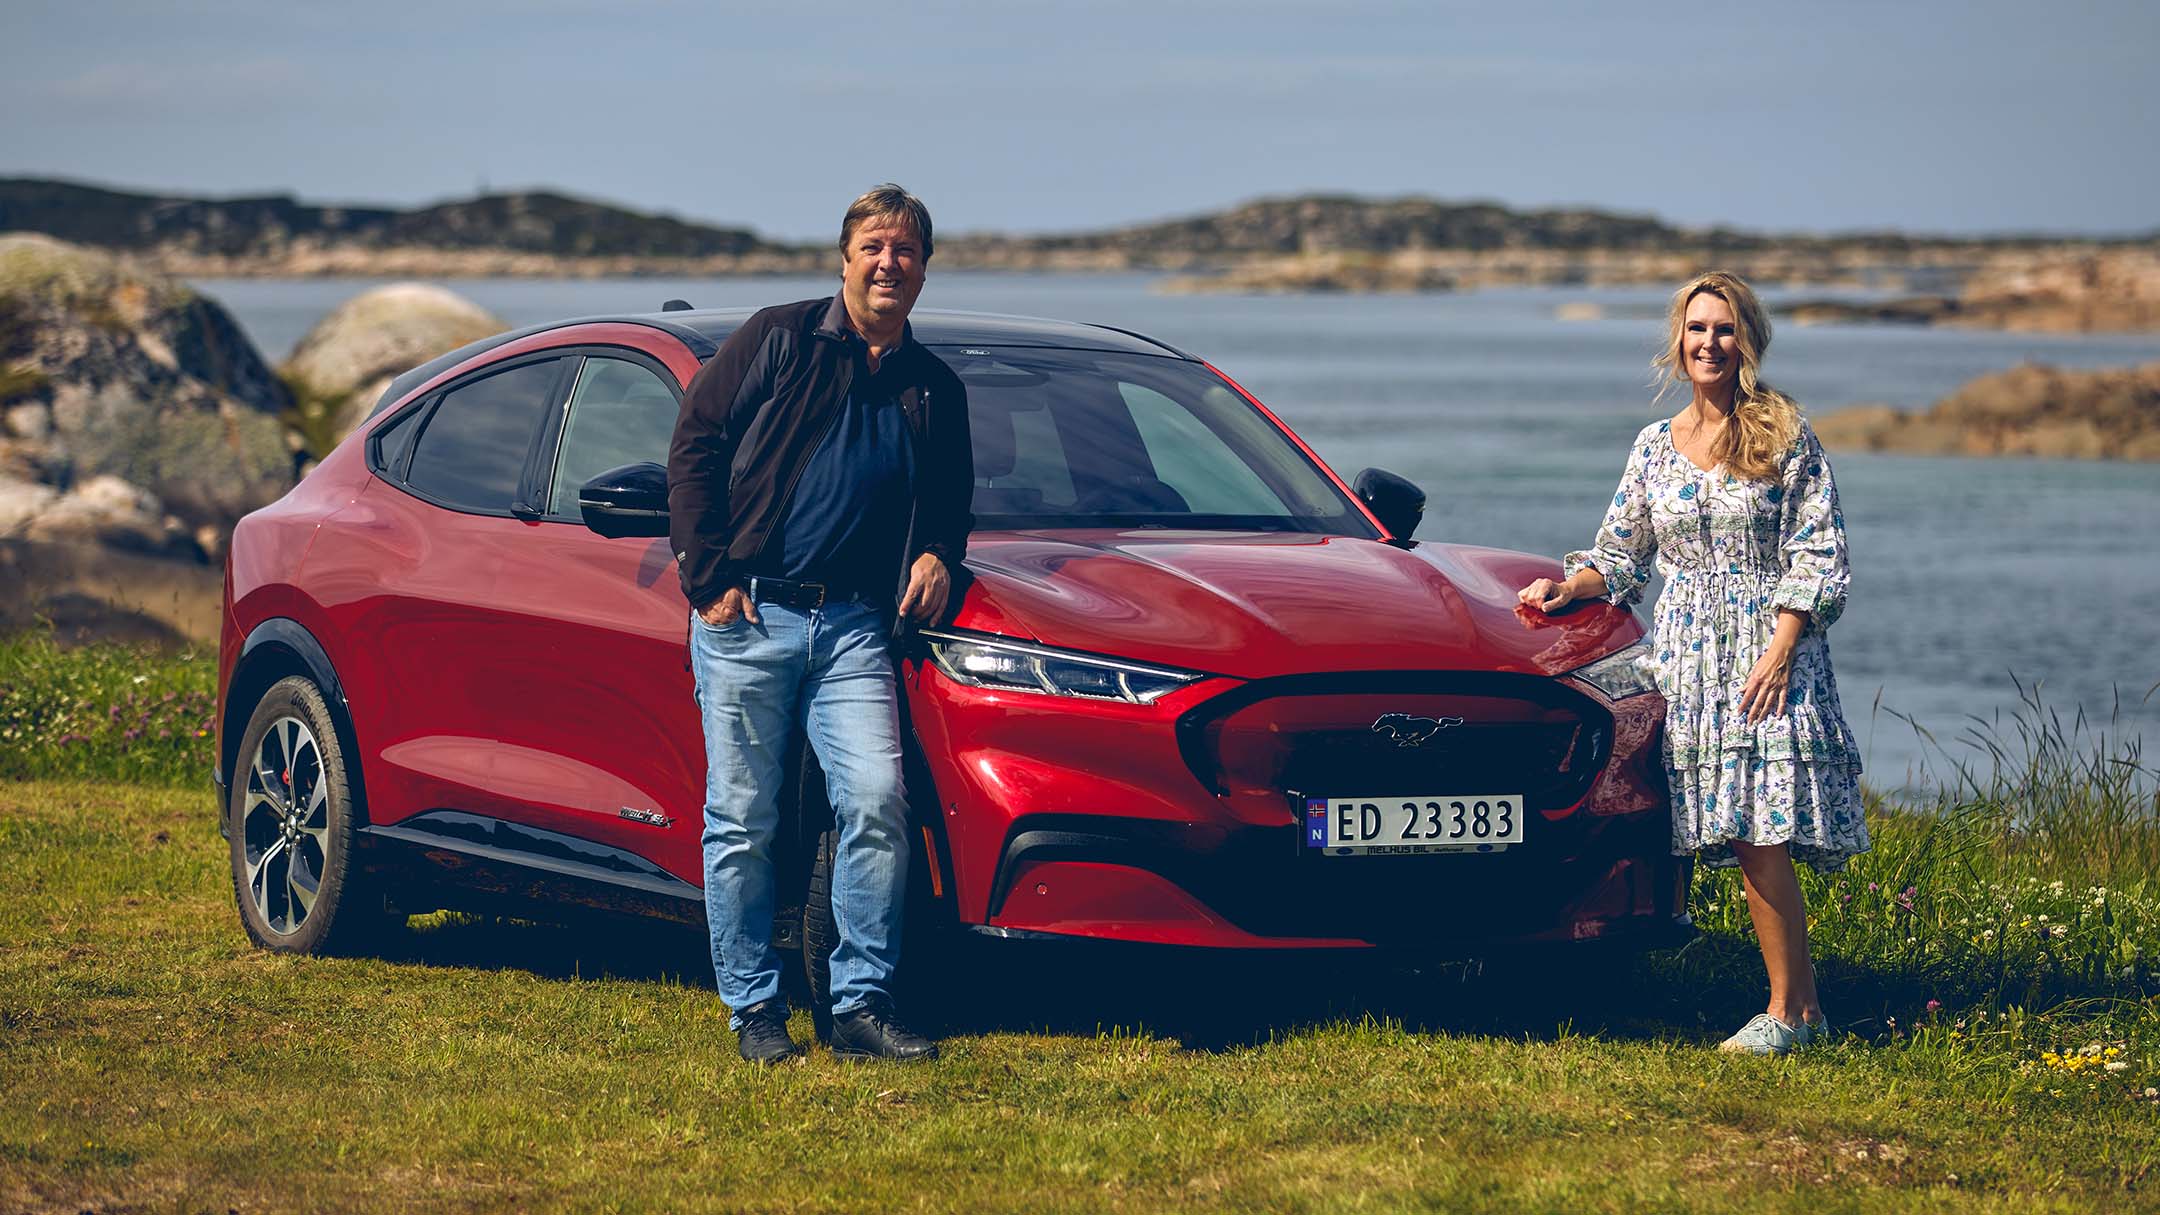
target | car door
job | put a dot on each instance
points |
(431, 651)
(598, 721)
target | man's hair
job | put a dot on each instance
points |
(887, 202)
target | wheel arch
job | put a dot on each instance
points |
(275, 649)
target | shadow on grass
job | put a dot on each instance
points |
(1210, 1000)
(1206, 1000)
(591, 949)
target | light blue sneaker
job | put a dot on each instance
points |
(1766, 1035)
(1814, 1033)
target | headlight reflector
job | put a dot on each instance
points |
(982, 661)
(1622, 673)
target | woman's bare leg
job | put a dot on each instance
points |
(1780, 917)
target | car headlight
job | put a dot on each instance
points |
(1622, 673)
(985, 662)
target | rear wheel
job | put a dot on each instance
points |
(291, 822)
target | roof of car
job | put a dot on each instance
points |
(703, 329)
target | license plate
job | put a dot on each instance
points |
(1383, 826)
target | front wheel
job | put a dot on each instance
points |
(929, 943)
(292, 825)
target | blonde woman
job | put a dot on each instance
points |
(1732, 498)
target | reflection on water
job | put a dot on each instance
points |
(1515, 422)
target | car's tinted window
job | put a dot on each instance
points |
(620, 413)
(472, 454)
(1082, 439)
(1194, 461)
(393, 439)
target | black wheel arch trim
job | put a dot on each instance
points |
(284, 635)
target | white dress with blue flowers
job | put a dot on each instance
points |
(1734, 551)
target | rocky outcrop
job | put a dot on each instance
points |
(139, 405)
(1309, 242)
(2048, 291)
(344, 363)
(1318, 272)
(214, 235)
(102, 510)
(2028, 410)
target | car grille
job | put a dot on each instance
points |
(1272, 742)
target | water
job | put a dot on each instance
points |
(1516, 423)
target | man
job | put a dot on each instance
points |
(818, 482)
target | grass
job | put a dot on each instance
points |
(151, 1060)
(105, 712)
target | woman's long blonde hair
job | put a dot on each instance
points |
(1764, 421)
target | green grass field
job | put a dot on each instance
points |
(1997, 959)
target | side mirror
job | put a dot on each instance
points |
(626, 501)
(1397, 503)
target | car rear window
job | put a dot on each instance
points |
(472, 454)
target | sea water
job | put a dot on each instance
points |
(1969, 575)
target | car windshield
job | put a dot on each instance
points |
(1069, 438)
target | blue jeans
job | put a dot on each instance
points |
(827, 674)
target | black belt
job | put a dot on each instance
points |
(802, 596)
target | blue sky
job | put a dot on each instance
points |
(1030, 116)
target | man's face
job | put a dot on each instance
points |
(882, 270)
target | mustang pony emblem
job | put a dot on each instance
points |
(1408, 731)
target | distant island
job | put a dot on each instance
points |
(1307, 243)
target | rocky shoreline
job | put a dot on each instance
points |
(1307, 243)
(2030, 410)
(2045, 291)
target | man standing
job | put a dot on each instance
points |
(818, 483)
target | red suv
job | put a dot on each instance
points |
(1195, 690)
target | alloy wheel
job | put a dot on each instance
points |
(285, 826)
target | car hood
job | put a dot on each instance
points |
(1255, 605)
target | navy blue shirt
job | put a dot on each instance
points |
(849, 516)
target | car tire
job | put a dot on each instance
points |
(820, 931)
(930, 963)
(292, 826)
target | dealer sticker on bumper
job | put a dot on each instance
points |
(1380, 826)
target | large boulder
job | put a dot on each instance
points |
(111, 370)
(344, 363)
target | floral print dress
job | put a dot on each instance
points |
(1734, 551)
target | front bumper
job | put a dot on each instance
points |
(1094, 819)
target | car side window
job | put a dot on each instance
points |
(1194, 461)
(393, 439)
(472, 454)
(620, 413)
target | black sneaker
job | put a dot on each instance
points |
(763, 1037)
(873, 1032)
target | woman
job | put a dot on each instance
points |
(1733, 499)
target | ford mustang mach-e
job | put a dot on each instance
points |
(1195, 689)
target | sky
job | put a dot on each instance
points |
(1027, 116)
